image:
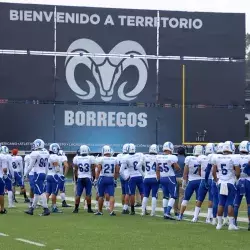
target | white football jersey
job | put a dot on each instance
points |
(203, 161)
(121, 158)
(62, 158)
(39, 161)
(193, 168)
(165, 163)
(1, 166)
(17, 163)
(132, 161)
(84, 164)
(53, 158)
(150, 163)
(108, 165)
(225, 165)
(7, 163)
(243, 161)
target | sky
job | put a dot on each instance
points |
(240, 6)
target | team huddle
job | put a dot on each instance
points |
(216, 171)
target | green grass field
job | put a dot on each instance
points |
(87, 231)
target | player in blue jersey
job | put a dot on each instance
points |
(243, 185)
(52, 176)
(84, 167)
(206, 185)
(167, 165)
(134, 175)
(39, 163)
(151, 179)
(191, 178)
(229, 170)
(106, 178)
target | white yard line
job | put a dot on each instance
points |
(30, 242)
(2, 234)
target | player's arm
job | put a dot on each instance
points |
(207, 171)
(21, 165)
(214, 172)
(98, 172)
(117, 169)
(237, 171)
(93, 167)
(122, 168)
(176, 167)
(31, 165)
(66, 167)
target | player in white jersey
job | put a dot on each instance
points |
(166, 164)
(64, 167)
(229, 171)
(9, 175)
(124, 183)
(206, 185)
(243, 185)
(191, 178)
(52, 178)
(134, 175)
(106, 177)
(39, 162)
(3, 174)
(84, 166)
(151, 178)
(17, 164)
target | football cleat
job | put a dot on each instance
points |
(138, 205)
(232, 227)
(194, 220)
(90, 211)
(214, 222)
(11, 206)
(219, 226)
(98, 213)
(46, 212)
(64, 204)
(112, 213)
(75, 211)
(3, 211)
(26, 200)
(168, 217)
(30, 211)
(180, 217)
(132, 213)
(225, 222)
(208, 221)
(56, 210)
(249, 226)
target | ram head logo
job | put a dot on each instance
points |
(106, 70)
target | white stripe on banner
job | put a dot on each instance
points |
(2, 234)
(30, 242)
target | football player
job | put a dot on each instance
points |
(64, 167)
(134, 175)
(84, 170)
(3, 174)
(243, 185)
(17, 165)
(39, 161)
(166, 164)
(8, 175)
(124, 183)
(151, 178)
(52, 178)
(106, 178)
(229, 170)
(191, 178)
(205, 186)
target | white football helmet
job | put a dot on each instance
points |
(228, 146)
(153, 149)
(198, 150)
(244, 146)
(168, 146)
(210, 149)
(38, 144)
(131, 148)
(106, 150)
(84, 149)
(125, 148)
(219, 148)
(54, 147)
(4, 150)
(61, 152)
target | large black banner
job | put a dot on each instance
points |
(23, 123)
(204, 82)
(220, 124)
(202, 34)
(26, 27)
(27, 77)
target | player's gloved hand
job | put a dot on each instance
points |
(184, 184)
(115, 183)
